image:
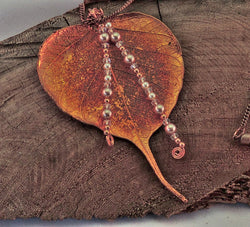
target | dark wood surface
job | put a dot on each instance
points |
(53, 167)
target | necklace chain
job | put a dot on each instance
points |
(96, 16)
(241, 130)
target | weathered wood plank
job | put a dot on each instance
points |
(52, 166)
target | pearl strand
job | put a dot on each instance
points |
(170, 128)
(107, 91)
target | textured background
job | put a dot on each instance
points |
(15, 16)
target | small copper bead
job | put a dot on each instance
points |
(139, 75)
(105, 51)
(106, 100)
(106, 132)
(136, 71)
(163, 116)
(122, 48)
(107, 127)
(177, 140)
(181, 145)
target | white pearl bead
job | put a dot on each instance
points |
(129, 59)
(145, 85)
(170, 129)
(159, 108)
(107, 78)
(115, 37)
(104, 37)
(107, 66)
(107, 92)
(151, 95)
(107, 113)
(108, 25)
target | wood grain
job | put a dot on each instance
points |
(54, 167)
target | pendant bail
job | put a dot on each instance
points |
(238, 133)
(95, 16)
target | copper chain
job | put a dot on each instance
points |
(241, 130)
(101, 18)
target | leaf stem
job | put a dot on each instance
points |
(147, 152)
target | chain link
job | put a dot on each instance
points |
(246, 117)
(241, 130)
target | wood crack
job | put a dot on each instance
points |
(6, 100)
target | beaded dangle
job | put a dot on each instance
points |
(107, 33)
